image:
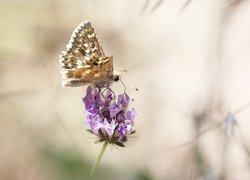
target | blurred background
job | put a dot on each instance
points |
(189, 59)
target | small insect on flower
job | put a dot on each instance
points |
(84, 62)
(109, 119)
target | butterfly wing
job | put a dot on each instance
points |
(84, 61)
(100, 75)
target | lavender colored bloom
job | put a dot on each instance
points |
(123, 100)
(108, 119)
(122, 130)
(114, 109)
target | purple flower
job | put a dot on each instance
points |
(108, 119)
(123, 100)
(109, 127)
(122, 130)
(93, 122)
(114, 109)
(130, 115)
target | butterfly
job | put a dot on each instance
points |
(84, 62)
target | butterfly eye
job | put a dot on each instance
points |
(116, 78)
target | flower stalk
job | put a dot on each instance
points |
(109, 117)
(104, 146)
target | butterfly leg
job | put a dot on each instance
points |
(108, 88)
(123, 85)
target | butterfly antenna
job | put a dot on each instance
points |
(124, 70)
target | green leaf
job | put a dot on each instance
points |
(89, 131)
(98, 141)
(119, 144)
(132, 132)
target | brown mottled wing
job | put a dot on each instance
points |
(99, 75)
(84, 61)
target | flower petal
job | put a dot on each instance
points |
(123, 100)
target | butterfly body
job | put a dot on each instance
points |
(84, 62)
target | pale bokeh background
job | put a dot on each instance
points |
(191, 66)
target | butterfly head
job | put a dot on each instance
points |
(116, 76)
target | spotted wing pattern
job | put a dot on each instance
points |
(84, 62)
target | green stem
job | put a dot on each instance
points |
(98, 160)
